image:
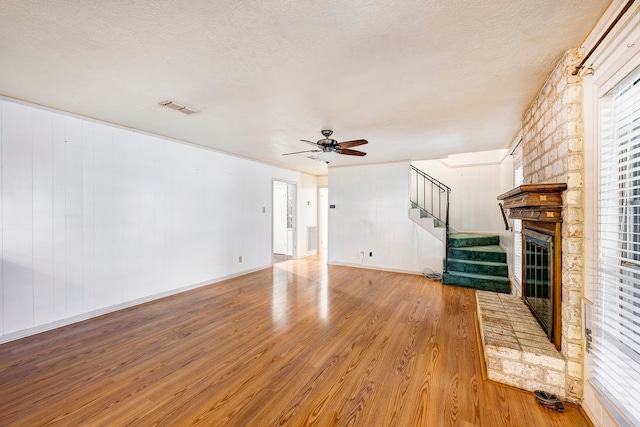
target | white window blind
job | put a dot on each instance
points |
(616, 311)
(518, 179)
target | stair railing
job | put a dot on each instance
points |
(432, 196)
(504, 217)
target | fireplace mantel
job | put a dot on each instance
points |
(539, 206)
(535, 202)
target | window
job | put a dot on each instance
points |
(616, 311)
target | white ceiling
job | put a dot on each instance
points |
(419, 79)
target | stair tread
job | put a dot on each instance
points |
(436, 221)
(484, 248)
(464, 240)
(470, 235)
(472, 261)
(478, 276)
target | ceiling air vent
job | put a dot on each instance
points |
(179, 107)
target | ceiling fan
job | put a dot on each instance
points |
(328, 148)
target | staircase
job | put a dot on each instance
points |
(477, 261)
(429, 204)
(433, 225)
(470, 260)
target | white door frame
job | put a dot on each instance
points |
(294, 214)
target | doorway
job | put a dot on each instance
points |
(284, 220)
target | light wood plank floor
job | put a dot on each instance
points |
(298, 344)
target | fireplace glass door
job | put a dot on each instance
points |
(538, 277)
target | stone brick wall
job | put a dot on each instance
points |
(552, 150)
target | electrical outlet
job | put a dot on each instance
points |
(370, 253)
(240, 259)
(361, 254)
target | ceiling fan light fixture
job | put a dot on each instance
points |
(328, 148)
(327, 156)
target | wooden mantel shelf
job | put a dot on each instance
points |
(535, 202)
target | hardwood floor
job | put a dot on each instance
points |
(298, 344)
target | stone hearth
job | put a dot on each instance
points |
(517, 351)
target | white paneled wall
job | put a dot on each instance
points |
(372, 215)
(506, 184)
(94, 217)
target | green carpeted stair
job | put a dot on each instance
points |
(477, 261)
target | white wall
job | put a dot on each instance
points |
(94, 217)
(372, 215)
(506, 184)
(474, 188)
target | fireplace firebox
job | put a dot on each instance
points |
(539, 206)
(538, 277)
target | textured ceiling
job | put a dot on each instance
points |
(419, 79)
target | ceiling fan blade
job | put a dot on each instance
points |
(354, 143)
(351, 152)
(305, 151)
(315, 144)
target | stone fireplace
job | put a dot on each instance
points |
(552, 151)
(539, 206)
(522, 336)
